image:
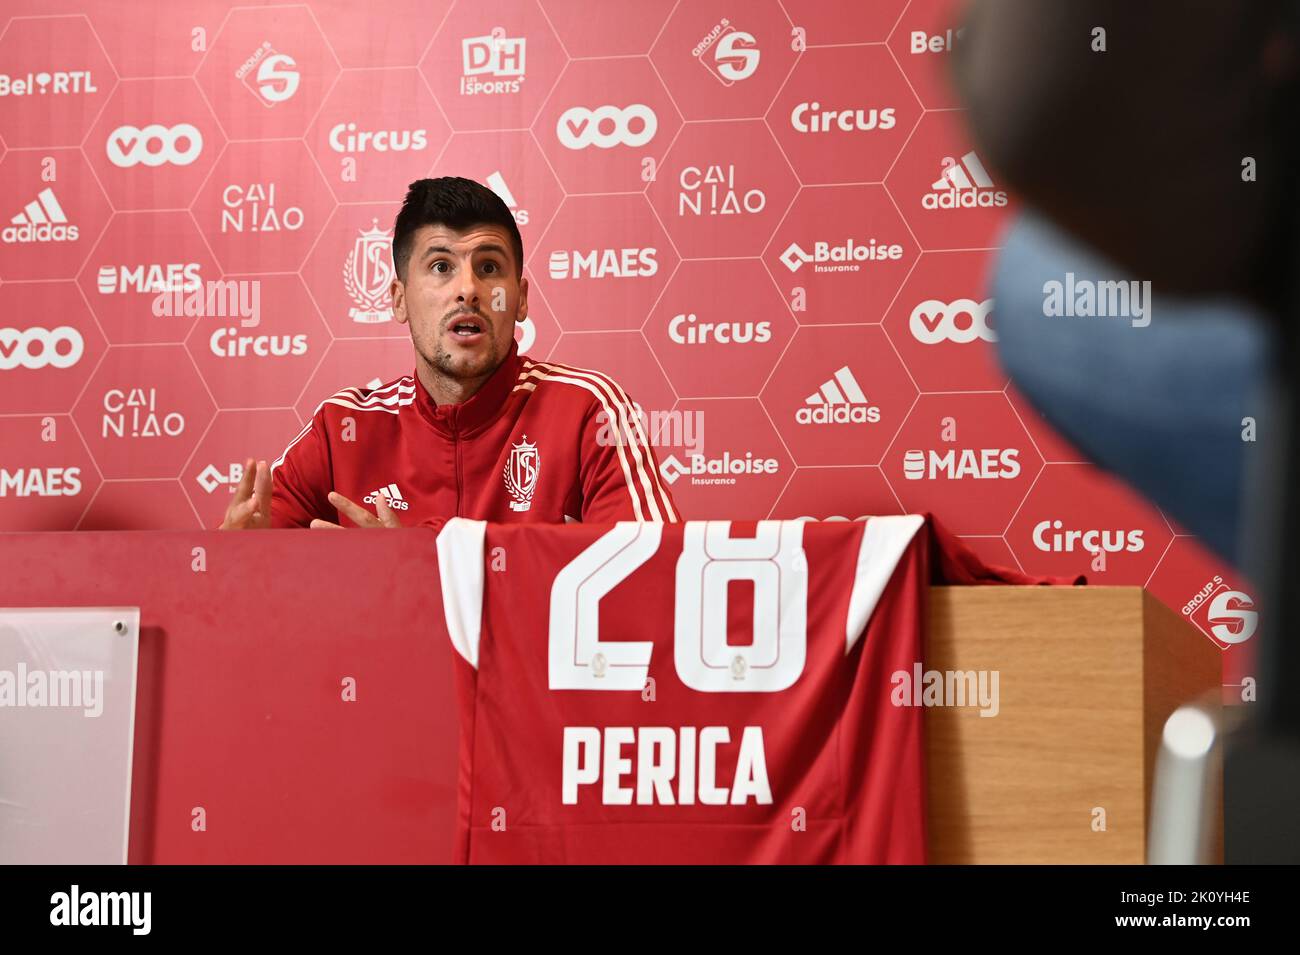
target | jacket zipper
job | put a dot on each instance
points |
(455, 440)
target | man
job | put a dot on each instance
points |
(479, 431)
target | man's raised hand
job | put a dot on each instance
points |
(383, 518)
(251, 508)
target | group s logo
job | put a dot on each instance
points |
(1231, 617)
(37, 347)
(277, 80)
(735, 54)
(154, 145)
(579, 127)
(934, 321)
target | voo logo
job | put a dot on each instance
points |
(154, 145)
(934, 321)
(59, 347)
(607, 126)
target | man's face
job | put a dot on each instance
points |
(462, 296)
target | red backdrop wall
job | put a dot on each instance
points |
(764, 218)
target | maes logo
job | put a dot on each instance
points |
(154, 278)
(40, 482)
(602, 263)
(982, 464)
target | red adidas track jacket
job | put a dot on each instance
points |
(539, 442)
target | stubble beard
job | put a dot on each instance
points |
(448, 366)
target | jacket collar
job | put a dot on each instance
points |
(479, 409)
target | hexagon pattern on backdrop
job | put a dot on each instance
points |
(765, 219)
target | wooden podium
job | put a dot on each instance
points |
(1087, 678)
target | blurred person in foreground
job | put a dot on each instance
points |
(1159, 138)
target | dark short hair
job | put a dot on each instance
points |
(455, 202)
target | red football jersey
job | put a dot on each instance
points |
(539, 442)
(689, 693)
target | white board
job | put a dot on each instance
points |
(67, 728)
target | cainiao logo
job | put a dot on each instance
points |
(42, 220)
(40, 482)
(153, 278)
(606, 126)
(724, 469)
(368, 275)
(133, 412)
(729, 54)
(154, 145)
(711, 190)
(602, 263)
(496, 55)
(847, 256)
(686, 329)
(1054, 537)
(809, 117)
(965, 184)
(253, 208)
(347, 138)
(962, 321)
(953, 464)
(229, 343)
(839, 400)
(36, 347)
(272, 77)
